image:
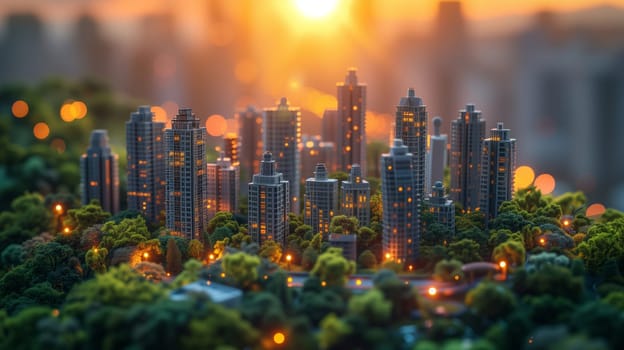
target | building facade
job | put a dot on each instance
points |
(268, 203)
(321, 200)
(230, 148)
(351, 115)
(437, 159)
(442, 208)
(223, 186)
(467, 134)
(145, 152)
(498, 166)
(411, 127)
(313, 151)
(99, 173)
(355, 196)
(250, 150)
(282, 136)
(186, 195)
(401, 217)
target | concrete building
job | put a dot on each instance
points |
(99, 173)
(411, 127)
(467, 134)
(348, 244)
(230, 148)
(223, 185)
(145, 154)
(268, 203)
(498, 166)
(351, 137)
(401, 217)
(321, 201)
(282, 137)
(355, 196)
(441, 207)
(250, 150)
(437, 159)
(186, 196)
(313, 151)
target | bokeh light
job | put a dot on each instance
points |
(80, 108)
(545, 183)
(316, 9)
(73, 110)
(160, 115)
(216, 125)
(232, 125)
(19, 109)
(524, 177)
(595, 210)
(279, 338)
(41, 130)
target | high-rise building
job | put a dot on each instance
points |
(230, 148)
(321, 200)
(186, 196)
(282, 136)
(250, 150)
(314, 151)
(401, 217)
(223, 185)
(437, 155)
(355, 196)
(467, 134)
(411, 127)
(498, 166)
(268, 203)
(441, 207)
(99, 173)
(145, 149)
(351, 138)
(329, 126)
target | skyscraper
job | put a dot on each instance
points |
(223, 185)
(351, 138)
(355, 196)
(467, 134)
(268, 203)
(230, 148)
(321, 200)
(411, 127)
(436, 156)
(441, 207)
(401, 217)
(145, 148)
(250, 151)
(99, 173)
(186, 196)
(498, 165)
(282, 136)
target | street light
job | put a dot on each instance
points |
(503, 266)
(59, 209)
(432, 291)
(288, 259)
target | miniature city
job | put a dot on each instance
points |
(281, 239)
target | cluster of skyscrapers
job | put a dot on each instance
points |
(169, 177)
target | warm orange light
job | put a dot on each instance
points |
(566, 222)
(41, 130)
(595, 210)
(523, 177)
(19, 109)
(388, 256)
(279, 338)
(323, 284)
(502, 264)
(73, 110)
(358, 282)
(222, 274)
(290, 279)
(80, 109)
(545, 183)
(58, 208)
(288, 257)
(216, 125)
(456, 277)
(542, 241)
(246, 71)
(316, 9)
(211, 256)
(160, 115)
(432, 291)
(146, 255)
(66, 230)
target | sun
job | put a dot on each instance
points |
(316, 9)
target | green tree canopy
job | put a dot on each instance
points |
(332, 267)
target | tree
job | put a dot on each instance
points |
(511, 252)
(96, 259)
(553, 280)
(367, 260)
(219, 328)
(174, 257)
(371, 306)
(404, 298)
(448, 271)
(263, 310)
(196, 249)
(151, 271)
(219, 234)
(333, 329)
(271, 250)
(85, 216)
(489, 300)
(332, 267)
(436, 234)
(222, 219)
(190, 274)
(308, 258)
(12, 256)
(128, 232)
(343, 224)
(603, 242)
(241, 267)
(465, 250)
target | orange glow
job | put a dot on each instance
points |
(66, 230)
(595, 209)
(502, 264)
(19, 109)
(432, 291)
(58, 145)
(290, 279)
(542, 241)
(388, 256)
(358, 282)
(323, 284)
(288, 257)
(58, 208)
(80, 108)
(67, 112)
(524, 177)
(223, 275)
(279, 338)
(545, 183)
(211, 256)
(566, 222)
(245, 71)
(456, 277)
(160, 115)
(316, 9)
(146, 255)
(41, 130)
(216, 125)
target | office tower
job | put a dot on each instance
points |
(268, 202)
(186, 198)
(351, 138)
(145, 148)
(442, 208)
(99, 173)
(321, 200)
(348, 244)
(223, 185)
(313, 151)
(355, 196)
(467, 134)
(436, 156)
(282, 136)
(401, 217)
(498, 166)
(411, 127)
(230, 148)
(250, 150)
(329, 126)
